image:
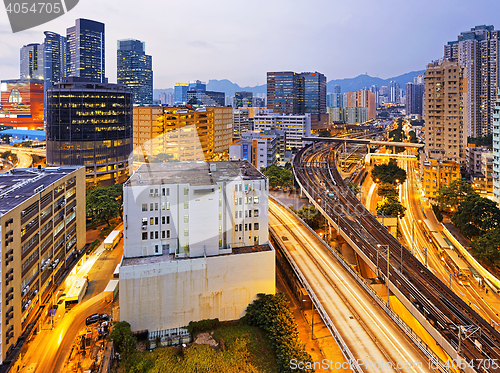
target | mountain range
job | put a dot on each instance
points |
(346, 85)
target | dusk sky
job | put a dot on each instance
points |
(242, 40)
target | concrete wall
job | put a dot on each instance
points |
(170, 294)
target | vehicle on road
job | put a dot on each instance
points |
(76, 292)
(92, 319)
(112, 240)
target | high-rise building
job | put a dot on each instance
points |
(315, 98)
(135, 70)
(285, 92)
(90, 124)
(496, 149)
(336, 89)
(394, 92)
(86, 50)
(31, 62)
(243, 99)
(375, 90)
(414, 97)
(180, 93)
(259, 102)
(196, 85)
(206, 98)
(293, 93)
(478, 50)
(42, 216)
(362, 99)
(21, 103)
(54, 58)
(195, 244)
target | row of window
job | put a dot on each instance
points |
(239, 227)
(154, 220)
(155, 206)
(154, 235)
(248, 214)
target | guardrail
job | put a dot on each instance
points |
(435, 361)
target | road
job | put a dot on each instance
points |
(51, 348)
(38, 151)
(24, 159)
(412, 227)
(366, 329)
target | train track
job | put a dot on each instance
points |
(452, 317)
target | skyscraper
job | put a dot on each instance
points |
(336, 89)
(85, 50)
(180, 93)
(54, 57)
(196, 85)
(243, 99)
(478, 50)
(394, 92)
(31, 66)
(414, 95)
(293, 93)
(135, 70)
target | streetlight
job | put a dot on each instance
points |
(388, 252)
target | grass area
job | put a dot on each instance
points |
(246, 350)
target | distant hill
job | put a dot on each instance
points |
(366, 81)
(347, 84)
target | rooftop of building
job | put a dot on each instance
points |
(192, 173)
(78, 83)
(166, 257)
(20, 184)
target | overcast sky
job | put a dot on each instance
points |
(241, 40)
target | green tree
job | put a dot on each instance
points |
(450, 196)
(278, 176)
(487, 247)
(123, 339)
(388, 173)
(103, 203)
(310, 215)
(390, 206)
(386, 188)
(475, 215)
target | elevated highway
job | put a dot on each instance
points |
(363, 331)
(455, 326)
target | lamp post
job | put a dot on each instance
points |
(388, 264)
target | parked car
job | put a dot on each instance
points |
(92, 319)
(104, 317)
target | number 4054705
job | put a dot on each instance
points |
(33, 8)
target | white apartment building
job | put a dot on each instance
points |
(195, 244)
(261, 149)
(294, 126)
(496, 149)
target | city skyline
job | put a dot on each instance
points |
(403, 38)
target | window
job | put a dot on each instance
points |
(236, 214)
(250, 213)
(240, 227)
(256, 226)
(156, 249)
(246, 213)
(168, 234)
(236, 201)
(163, 205)
(168, 219)
(186, 191)
(165, 191)
(163, 234)
(186, 232)
(246, 227)
(236, 227)
(241, 214)
(220, 202)
(151, 235)
(156, 206)
(151, 220)
(220, 229)
(220, 242)
(165, 247)
(256, 200)
(168, 205)
(186, 218)
(156, 220)
(256, 213)
(186, 204)
(163, 219)
(150, 207)
(144, 207)
(220, 215)
(156, 235)
(240, 201)
(156, 192)
(144, 221)
(144, 236)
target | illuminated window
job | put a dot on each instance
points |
(15, 96)
(186, 232)
(186, 204)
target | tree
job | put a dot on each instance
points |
(487, 247)
(475, 215)
(386, 188)
(279, 177)
(450, 196)
(310, 215)
(103, 203)
(388, 173)
(123, 339)
(390, 206)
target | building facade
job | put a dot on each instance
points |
(206, 98)
(90, 124)
(42, 221)
(31, 62)
(180, 93)
(394, 92)
(478, 51)
(135, 70)
(414, 97)
(86, 50)
(261, 149)
(195, 244)
(496, 149)
(21, 103)
(295, 127)
(243, 99)
(436, 174)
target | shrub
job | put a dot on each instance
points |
(196, 327)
